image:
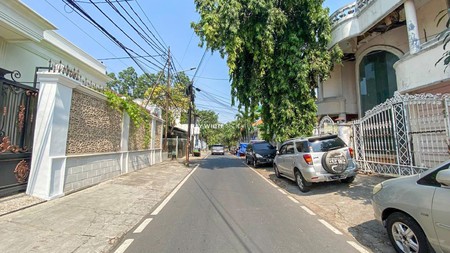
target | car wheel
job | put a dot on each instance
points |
(348, 180)
(277, 173)
(405, 234)
(301, 182)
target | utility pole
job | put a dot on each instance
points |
(190, 94)
(165, 146)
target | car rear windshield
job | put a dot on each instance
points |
(262, 146)
(326, 145)
(217, 146)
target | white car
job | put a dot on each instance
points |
(217, 149)
(416, 210)
(314, 159)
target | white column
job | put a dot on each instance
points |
(48, 159)
(124, 142)
(412, 27)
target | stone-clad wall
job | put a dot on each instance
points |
(137, 137)
(158, 134)
(94, 127)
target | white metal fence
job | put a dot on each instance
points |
(405, 135)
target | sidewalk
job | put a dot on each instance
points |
(90, 220)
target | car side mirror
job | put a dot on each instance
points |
(443, 177)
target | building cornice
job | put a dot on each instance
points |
(23, 21)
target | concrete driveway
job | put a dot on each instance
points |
(347, 206)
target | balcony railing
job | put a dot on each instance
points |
(349, 11)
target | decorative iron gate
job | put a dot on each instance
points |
(405, 135)
(17, 112)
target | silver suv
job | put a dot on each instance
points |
(315, 159)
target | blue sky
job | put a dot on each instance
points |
(172, 19)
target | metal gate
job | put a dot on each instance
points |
(17, 112)
(405, 135)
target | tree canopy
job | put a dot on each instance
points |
(276, 53)
(153, 88)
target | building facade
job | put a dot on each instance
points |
(389, 46)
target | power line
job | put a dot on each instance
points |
(82, 30)
(149, 41)
(151, 23)
(126, 34)
(127, 57)
(88, 18)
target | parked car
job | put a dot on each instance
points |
(416, 210)
(315, 159)
(260, 152)
(217, 150)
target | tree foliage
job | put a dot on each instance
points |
(207, 120)
(444, 36)
(276, 52)
(152, 88)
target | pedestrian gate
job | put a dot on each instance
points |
(405, 135)
(18, 104)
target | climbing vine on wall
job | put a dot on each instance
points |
(138, 115)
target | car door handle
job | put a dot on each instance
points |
(444, 226)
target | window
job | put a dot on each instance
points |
(262, 146)
(430, 179)
(283, 150)
(290, 148)
(302, 146)
(377, 79)
(327, 145)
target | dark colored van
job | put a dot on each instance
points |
(260, 152)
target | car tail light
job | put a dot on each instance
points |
(351, 152)
(308, 159)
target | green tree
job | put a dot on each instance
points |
(126, 83)
(207, 120)
(443, 16)
(276, 52)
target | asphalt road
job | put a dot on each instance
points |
(225, 206)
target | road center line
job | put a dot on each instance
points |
(308, 210)
(330, 227)
(358, 247)
(293, 199)
(124, 246)
(164, 203)
(142, 226)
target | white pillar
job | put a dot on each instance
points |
(48, 159)
(124, 142)
(412, 27)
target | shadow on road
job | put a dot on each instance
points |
(372, 235)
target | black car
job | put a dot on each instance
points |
(260, 152)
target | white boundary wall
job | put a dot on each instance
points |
(53, 173)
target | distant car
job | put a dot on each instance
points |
(416, 210)
(260, 152)
(217, 150)
(315, 159)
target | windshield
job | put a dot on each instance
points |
(326, 145)
(263, 146)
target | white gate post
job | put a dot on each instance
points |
(48, 159)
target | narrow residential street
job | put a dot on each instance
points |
(225, 206)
